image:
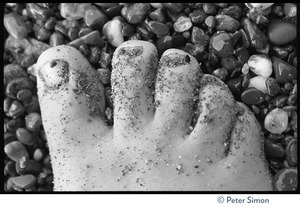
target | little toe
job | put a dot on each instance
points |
(176, 91)
(215, 122)
(134, 66)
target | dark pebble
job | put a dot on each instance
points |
(291, 153)
(286, 180)
(226, 23)
(33, 105)
(198, 16)
(273, 86)
(234, 11)
(61, 28)
(56, 39)
(25, 136)
(84, 31)
(136, 12)
(209, 8)
(252, 96)
(246, 80)
(221, 44)
(93, 39)
(94, 18)
(242, 55)
(174, 7)
(9, 137)
(164, 43)
(158, 28)
(236, 36)
(221, 73)
(13, 124)
(28, 61)
(235, 86)
(16, 109)
(213, 58)
(280, 52)
(273, 150)
(43, 34)
(10, 168)
(275, 137)
(257, 38)
(13, 71)
(229, 63)
(50, 23)
(199, 37)
(280, 101)
(84, 49)
(15, 25)
(291, 57)
(25, 181)
(292, 99)
(108, 97)
(144, 32)
(183, 23)
(158, 15)
(105, 59)
(288, 86)
(104, 75)
(7, 103)
(245, 39)
(284, 72)
(277, 11)
(178, 40)
(281, 32)
(113, 11)
(286, 140)
(73, 33)
(255, 109)
(33, 122)
(25, 166)
(276, 165)
(24, 95)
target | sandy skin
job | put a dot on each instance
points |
(174, 128)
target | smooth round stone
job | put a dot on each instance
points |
(235, 86)
(112, 30)
(38, 154)
(290, 9)
(25, 166)
(25, 136)
(291, 153)
(261, 65)
(164, 43)
(183, 23)
(158, 15)
(13, 71)
(284, 72)
(16, 109)
(253, 96)
(16, 150)
(158, 28)
(93, 39)
(94, 18)
(38, 12)
(281, 32)
(221, 73)
(198, 36)
(286, 180)
(272, 86)
(198, 16)
(276, 121)
(56, 39)
(229, 63)
(259, 82)
(257, 38)
(15, 25)
(221, 44)
(234, 11)
(25, 181)
(273, 150)
(210, 21)
(156, 5)
(73, 11)
(137, 12)
(261, 6)
(10, 168)
(33, 122)
(226, 23)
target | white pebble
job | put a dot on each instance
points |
(261, 6)
(259, 82)
(276, 121)
(38, 154)
(156, 5)
(112, 30)
(261, 65)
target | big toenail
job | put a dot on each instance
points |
(54, 74)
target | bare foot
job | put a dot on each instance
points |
(174, 128)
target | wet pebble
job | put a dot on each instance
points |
(221, 73)
(281, 32)
(235, 86)
(256, 37)
(9, 137)
(104, 75)
(94, 18)
(73, 33)
(24, 182)
(291, 153)
(183, 23)
(246, 81)
(198, 16)
(290, 9)
(261, 65)
(253, 96)
(164, 43)
(199, 36)
(73, 11)
(233, 10)
(210, 21)
(56, 39)
(158, 15)
(112, 30)
(209, 8)
(16, 109)
(15, 85)
(38, 154)
(16, 150)
(221, 44)
(13, 71)
(26, 166)
(25, 136)
(276, 121)
(286, 180)
(174, 7)
(10, 168)
(38, 12)
(33, 122)
(273, 87)
(226, 23)
(84, 31)
(158, 28)
(259, 82)
(15, 25)
(13, 124)
(261, 6)
(229, 63)
(274, 150)
(136, 12)
(280, 101)
(284, 72)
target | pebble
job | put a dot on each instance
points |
(158, 15)
(242, 55)
(276, 121)
(24, 182)
(259, 82)
(198, 51)
(28, 61)
(38, 12)
(286, 180)
(104, 75)
(209, 8)
(94, 18)
(136, 12)
(16, 150)
(290, 9)
(38, 154)
(281, 32)
(43, 34)
(164, 43)
(112, 30)
(199, 36)
(183, 23)
(235, 86)
(33, 122)
(274, 150)
(198, 16)
(261, 6)
(156, 5)
(13, 124)
(15, 25)
(174, 7)
(13, 71)
(73, 33)
(105, 60)
(256, 37)
(221, 73)
(9, 137)
(16, 109)
(25, 166)
(291, 153)
(284, 72)
(56, 39)
(234, 10)
(273, 87)
(221, 44)
(25, 136)
(84, 31)
(253, 96)
(261, 65)
(6, 104)
(73, 11)
(50, 23)
(226, 23)
(15, 85)
(280, 101)
(210, 21)
(10, 168)
(158, 28)
(229, 63)
(106, 5)
(33, 105)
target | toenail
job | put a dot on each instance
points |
(54, 74)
